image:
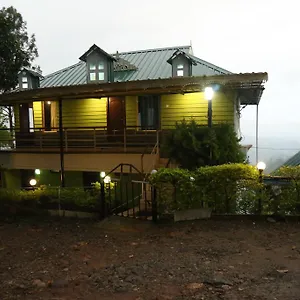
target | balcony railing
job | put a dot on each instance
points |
(80, 139)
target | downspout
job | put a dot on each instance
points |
(61, 141)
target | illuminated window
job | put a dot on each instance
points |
(180, 70)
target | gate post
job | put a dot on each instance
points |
(154, 204)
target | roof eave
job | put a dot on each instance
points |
(248, 82)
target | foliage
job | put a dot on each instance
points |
(286, 198)
(52, 198)
(192, 145)
(230, 188)
(17, 49)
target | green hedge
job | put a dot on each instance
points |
(227, 189)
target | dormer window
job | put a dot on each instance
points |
(99, 65)
(24, 82)
(182, 64)
(180, 70)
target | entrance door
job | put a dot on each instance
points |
(116, 116)
(24, 117)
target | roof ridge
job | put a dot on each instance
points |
(155, 49)
(63, 70)
(208, 64)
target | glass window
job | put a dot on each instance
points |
(101, 66)
(92, 76)
(148, 112)
(101, 76)
(179, 72)
(24, 79)
(180, 66)
(25, 85)
(92, 66)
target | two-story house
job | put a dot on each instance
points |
(111, 109)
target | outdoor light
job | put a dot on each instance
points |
(102, 174)
(192, 178)
(37, 171)
(208, 93)
(153, 172)
(107, 179)
(261, 166)
(49, 102)
(32, 182)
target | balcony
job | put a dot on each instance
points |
(80, 140)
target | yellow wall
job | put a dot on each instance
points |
(38, 114)
(178, 107)
(131, 110)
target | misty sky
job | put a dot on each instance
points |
(238, 35)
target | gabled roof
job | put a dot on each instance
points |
(179, 52)
(32, 72)
(149, 64)
(95, 48)
(293, 161)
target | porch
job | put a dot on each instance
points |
(81, 140)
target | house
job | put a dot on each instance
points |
(109, 109)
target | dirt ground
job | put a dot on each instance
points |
(135, 260)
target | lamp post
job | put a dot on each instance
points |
(208, 95)
(261, 166)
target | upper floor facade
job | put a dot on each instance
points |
(122, 103)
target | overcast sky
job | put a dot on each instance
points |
(238, 35)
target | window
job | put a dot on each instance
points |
(101, 76)
(96, 71)
(24, 82)
(31, 121)
(101, 66)
(148, 110)
(50, 120)
(180, 70)
(92, 76)
(92, 67)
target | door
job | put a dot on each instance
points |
(116, 117)
(24, 136)
(24, 117)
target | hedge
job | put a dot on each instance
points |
(227, 189)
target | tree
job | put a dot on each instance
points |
(17, 49)
(192, 145)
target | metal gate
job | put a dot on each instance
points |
(126, 193)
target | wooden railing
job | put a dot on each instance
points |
(76, 139)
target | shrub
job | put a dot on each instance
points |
(230, 188)
(192, 145)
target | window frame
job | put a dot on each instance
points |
(156, 122)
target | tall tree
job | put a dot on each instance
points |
(17, 48)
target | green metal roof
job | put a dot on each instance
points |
(150, 64)
(293, 161)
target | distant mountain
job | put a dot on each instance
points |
(273, 151)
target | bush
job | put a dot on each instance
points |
(230, 188)
(192, 145)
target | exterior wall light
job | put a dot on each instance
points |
(107, 179)
(102, 174)
(37, 171)
(208, 93)
(33, 182)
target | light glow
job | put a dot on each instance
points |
(37, 171)
(261, 166)
(208, 93)
(107, 179)
(32, 182)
